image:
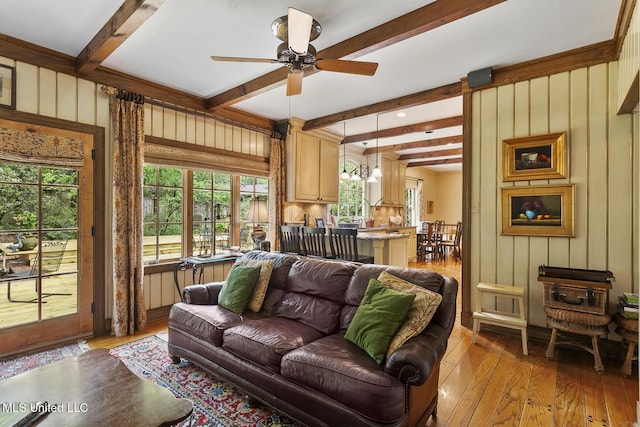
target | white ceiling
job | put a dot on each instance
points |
(173, 48)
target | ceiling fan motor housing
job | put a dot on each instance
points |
(287, 56)
(280, 29)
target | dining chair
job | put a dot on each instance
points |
(452, 243)
(344, 245)
(289, 236)
(430, 241)
(314, 242)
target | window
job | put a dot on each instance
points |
(251, 188)
(162, 213)
(209, 198)
(350, 198)
(411, 203)
(211, 212)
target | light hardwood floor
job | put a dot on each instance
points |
(492, 383)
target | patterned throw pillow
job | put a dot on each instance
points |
(266, 267)
(424, 307)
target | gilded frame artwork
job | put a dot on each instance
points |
(546, 210)
(7, 87)
(535, 157)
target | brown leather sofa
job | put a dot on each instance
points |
(293, 356)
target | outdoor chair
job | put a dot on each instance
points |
(45, 264)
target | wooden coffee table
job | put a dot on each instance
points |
(92, 389)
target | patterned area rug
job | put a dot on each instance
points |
(10, 366)
(215, 402)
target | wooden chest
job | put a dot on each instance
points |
(585, 291)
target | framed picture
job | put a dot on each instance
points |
(535, 157)
(319, 222)
(7, 87)
(538, 211)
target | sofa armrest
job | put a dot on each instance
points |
(413, 362)
(206, 294)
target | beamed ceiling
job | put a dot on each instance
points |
(161, 49)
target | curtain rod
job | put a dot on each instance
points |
(125, 95)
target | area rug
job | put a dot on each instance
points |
(10, 366)
(215, 402)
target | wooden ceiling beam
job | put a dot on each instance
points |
(29, 53)
(431, 154)
(450, 161)
(413, 100)
(427, 143)
(127, 19)
(408, 25)
(403, 130)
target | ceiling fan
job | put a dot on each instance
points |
(296, 30)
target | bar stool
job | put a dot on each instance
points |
(628, 330)
(500, 318)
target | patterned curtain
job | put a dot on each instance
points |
(127, 116)
(276, 189)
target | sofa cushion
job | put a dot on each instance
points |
(238, 288)
(315, 293)
(338, 368)
(260, 290)
(265, 341)
(422, 310)
(378, 317)
(206, 322)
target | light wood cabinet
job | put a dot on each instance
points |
(412, 242)
(312, 169)
(393, 182)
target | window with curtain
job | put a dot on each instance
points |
(215, 196)
(411, 203)
(350, 197)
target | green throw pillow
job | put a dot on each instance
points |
(238, 287)
(380, 314)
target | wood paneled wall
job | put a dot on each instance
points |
(603, 164)
(630, 61)
(52, 94)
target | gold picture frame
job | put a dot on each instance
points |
(552, 207)
(7, 87)
(535, 157)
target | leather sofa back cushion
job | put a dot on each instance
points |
(279, 275)
(315, 293)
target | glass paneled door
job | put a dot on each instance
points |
(45, 233)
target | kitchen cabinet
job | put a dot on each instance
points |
(393, 182)
(412, 241)
(312, 168)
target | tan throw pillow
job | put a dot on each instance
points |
(422, 310)
(260, 290)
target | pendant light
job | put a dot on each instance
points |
(344, 175)
(377, 173)
(371, 178)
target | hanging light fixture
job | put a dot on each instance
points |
(344, 175)
(365, 169)
(377, 173)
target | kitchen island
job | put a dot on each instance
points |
(386, 248)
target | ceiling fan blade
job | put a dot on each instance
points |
(239, 59)
(342, 66)
(294, 83)
(299, 28)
